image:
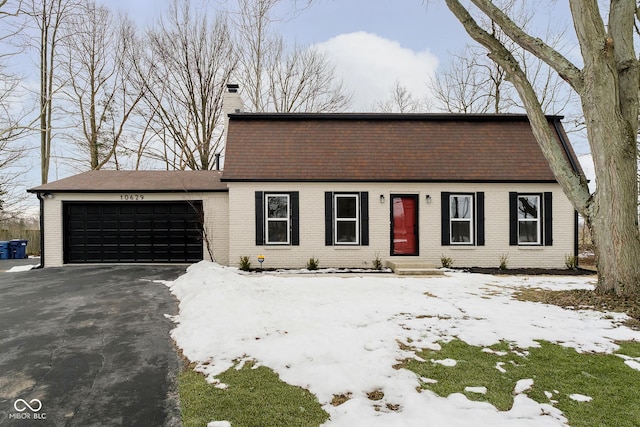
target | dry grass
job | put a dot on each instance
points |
(375, 395)
(339, 399)
(581, 298)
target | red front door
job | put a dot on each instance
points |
(404, 225)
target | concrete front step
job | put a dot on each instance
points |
(418, 272)
(414, 268)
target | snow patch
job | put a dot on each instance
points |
(478, 390)
(445, 362)
(497, 353)
(523, 385)
(632, 364)
(19, 268)
(580, 397)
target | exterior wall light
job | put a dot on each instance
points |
(428, 199)
(382, 198)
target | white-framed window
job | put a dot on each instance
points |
(461, 219)
(529, 220)
(346, 219)
(277, 217)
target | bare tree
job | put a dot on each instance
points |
(12, 129)
(401, 101)
(49, 16)
(303, 80)
(280, 78)
(257, 45)
(607, 85)
(189, 61)
(473, 83)
(469, 84)
(100, 98)
(14, 118)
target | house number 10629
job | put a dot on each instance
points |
(131, 197)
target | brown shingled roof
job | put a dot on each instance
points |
(385, 147)
(144, 181)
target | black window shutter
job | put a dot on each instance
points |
(513, 218)
(328, 218)
(480, 218)
(548, 219)
(259, 218)
(294, 197)
(444, 209)
(364, 218)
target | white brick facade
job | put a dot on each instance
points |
(242, 241)
(215, 207)
(230, 225)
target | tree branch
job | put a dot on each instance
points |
(567, 70)
(573, 184)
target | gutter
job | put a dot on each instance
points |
(565, 146)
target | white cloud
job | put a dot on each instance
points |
(370, 65)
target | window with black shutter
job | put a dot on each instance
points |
(530, 219)
(277, 218)
(346, 219)
(462, 219)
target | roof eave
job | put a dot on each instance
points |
(385, 116)
(128, 190)
(470, 181)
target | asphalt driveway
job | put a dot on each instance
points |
(88, 346)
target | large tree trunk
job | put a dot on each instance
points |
(613, 214)
(610, 107)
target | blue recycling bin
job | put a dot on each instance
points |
(18, 249)
(4, 250)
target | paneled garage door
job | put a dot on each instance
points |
(106, 232)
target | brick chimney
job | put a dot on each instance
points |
(231, 100)
(231, 103)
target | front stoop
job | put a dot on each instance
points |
(414, 268)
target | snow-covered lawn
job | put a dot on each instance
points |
(338, 335)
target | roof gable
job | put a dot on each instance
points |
(385, 147)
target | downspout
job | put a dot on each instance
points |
(39, 196)
(576, 232)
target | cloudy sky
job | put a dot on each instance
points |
(373, 43)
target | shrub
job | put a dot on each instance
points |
(312, 264)
(377, 262)
(571, 261)
(245, 264)
(447, 262)
(503, 261)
